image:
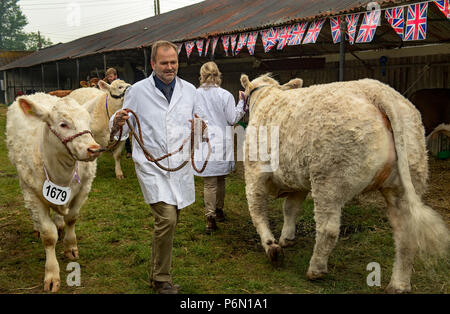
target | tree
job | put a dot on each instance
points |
(12, 22)
(32, 41)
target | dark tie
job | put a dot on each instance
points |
(166, 91)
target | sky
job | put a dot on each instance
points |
(67, 20)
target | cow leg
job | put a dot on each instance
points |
(291, 208)
(60, 224)
(116, 155)
(70, 238)
(329, 198)
(257, 206)
(405, 249)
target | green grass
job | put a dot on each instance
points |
(115, 232)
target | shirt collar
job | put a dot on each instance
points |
(160, 84)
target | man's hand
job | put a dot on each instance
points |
(121, 117)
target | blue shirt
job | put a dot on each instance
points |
(167, 90)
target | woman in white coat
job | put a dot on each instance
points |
(221, 113)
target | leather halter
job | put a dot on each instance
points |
(247, 100)
(69, 139)
(121, 95)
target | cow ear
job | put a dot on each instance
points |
(31, 108)
(292, 84)
(244, 81)
(91, 104)
(104, 86)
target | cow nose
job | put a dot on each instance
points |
(94, 150)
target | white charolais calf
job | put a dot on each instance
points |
(339, 140)
(110, 100)
(50, 144)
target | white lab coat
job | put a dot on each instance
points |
(164, 127)
(221, 113)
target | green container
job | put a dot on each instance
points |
(444, 154)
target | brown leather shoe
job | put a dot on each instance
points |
(220, 215)
(210, 225)
(165, 287)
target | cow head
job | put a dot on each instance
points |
(116, 89)
(93, 82)
(266, 80)
(68, 130)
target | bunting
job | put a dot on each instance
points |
(395, 18)
(226, 43)
(297, 32)
(233, 39)
(416, 24)
(443, 5)
(200, 46)
(241, 43)
(313, 31)
(189, 45)
(206, 47)
(215, 40)
(335, 23)
(251, 42)
(179, 45)
(352, 22)
(368, 27)
(284, 36)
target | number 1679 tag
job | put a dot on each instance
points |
(55, 194)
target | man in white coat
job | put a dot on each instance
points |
(164, 104)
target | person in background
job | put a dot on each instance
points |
(110, 76)
(221, 113)
(166, 106)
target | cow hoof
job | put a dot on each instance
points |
(287, 242)
(120, 177)
(394, 289)
(275, 253)
(314, 275)
(71, 254)
(52, 284)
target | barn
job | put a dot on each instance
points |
(211, 30)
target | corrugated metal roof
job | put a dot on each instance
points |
(207, 18)
(10, 56)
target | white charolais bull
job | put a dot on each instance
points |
(335, 141)
(110, 101)
(49, 140)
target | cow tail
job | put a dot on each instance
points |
(425, 227)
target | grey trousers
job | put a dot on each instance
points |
(166, 218)
(214, 194)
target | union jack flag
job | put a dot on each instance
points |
(241, 43)
(206, 47)
(297, 32)
(444, 7)
(395, 17)
(200, 46)
(233, 42)
(368, 26)
(335, 23)
(416, 24)
(189, 45)
(179, 45)
(313, 31)
(226, 43)
(214, 44)
(269, 38)
(285, 35)
(352, 22)
(251, 42)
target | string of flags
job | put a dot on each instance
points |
(408, 21)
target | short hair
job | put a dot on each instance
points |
(110, 71)
(210, 74)
(161, 43)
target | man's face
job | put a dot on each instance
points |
(111, 77)
(166, 64)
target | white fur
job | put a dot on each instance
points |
(31, 145)
(334, 142)
(100, 117)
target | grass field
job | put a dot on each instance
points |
(115, 231)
